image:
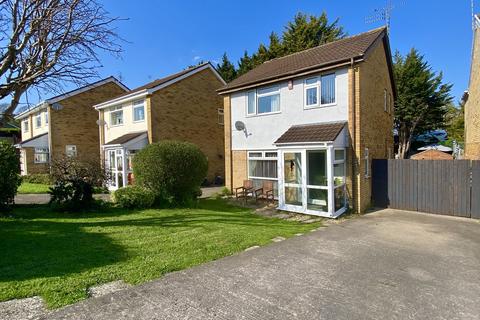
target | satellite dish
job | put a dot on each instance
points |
(101, 122)
(240, 126)
(57, 106)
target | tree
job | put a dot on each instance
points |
(304, 32)
(455, 122)
(421, 101)
(226, 69)
(46, 43)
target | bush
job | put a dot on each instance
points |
(74, 182)
(9, 174)
(134, 197)
(173, 170)
(38, 178)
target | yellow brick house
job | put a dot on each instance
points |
(183, 106)
(472, 106)
(63, 125)
(311, 122)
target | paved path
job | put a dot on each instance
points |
(43, 198)
(386, 265)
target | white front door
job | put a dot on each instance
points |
(116, 167)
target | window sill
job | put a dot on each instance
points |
(262, 114)
(116, 125)
(139, 121)
(318, 106)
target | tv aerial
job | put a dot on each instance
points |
(384, 14)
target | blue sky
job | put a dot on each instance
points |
(166, 36)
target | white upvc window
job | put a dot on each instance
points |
(138, 111)
(221, 116)
(116, 116)
(320, 91)
(46, 118)
(367, 163)
(38, 120)
(40, 155)
(263, 101)
(263, 166)
(25, 126)
(71, 150)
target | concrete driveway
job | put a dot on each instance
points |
(385, 265)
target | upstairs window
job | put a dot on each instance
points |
(25, 126)
(138, 111)
(320, 91)
(38, 120)
(46, 117)
(263, 101)
(116, 116)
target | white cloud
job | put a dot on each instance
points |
(196, 58)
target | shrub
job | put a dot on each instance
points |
(74, 182)
(9, 174)
(39, 178)
(134, 197)
(173, 170)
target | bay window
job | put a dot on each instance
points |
(263, 101)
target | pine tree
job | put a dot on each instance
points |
(421, 101)
(226, 69)
(245, 64)
(275, 47)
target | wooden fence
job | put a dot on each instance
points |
(448, 187)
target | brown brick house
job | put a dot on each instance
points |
(312, 122)
(472, 106)
(183, 106)
(63, 125)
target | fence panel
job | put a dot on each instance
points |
(435, 186)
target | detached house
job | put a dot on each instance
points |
(183, 106)
(63, 125)
(472, 106)
(312, 122)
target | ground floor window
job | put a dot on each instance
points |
(263, 166)
(41, 155)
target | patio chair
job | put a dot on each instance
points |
(265, 192)
(245, 190)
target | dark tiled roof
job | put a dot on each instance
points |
(125, 138)
(318, 132)
(161, 81)
(323, 55)
(33, 138)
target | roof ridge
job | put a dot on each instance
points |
(329, 43)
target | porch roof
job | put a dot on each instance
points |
(125, 138)
(309, 133)
(39, 141)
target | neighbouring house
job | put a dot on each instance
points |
(312, 122)
(10, 132)
(183, 106)
(472, 106)
(63, 125)
(432, 154)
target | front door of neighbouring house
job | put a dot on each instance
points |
(115, 167)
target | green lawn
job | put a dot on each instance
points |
(27, 187)
(58, 256)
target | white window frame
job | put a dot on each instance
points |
(37, 118)
(366, 158)
(46, 118)
(220, 116)
(26, 125)
(385, 100)
(136, 105)
(261, 157)
(113, 111)
(318, 85)
(40, 151)
(261, 95)
(73, 148)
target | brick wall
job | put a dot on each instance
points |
(228, 141)
(374, 124)
(239, 165)
(76, 123)
(188, 111)
(472, 108)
